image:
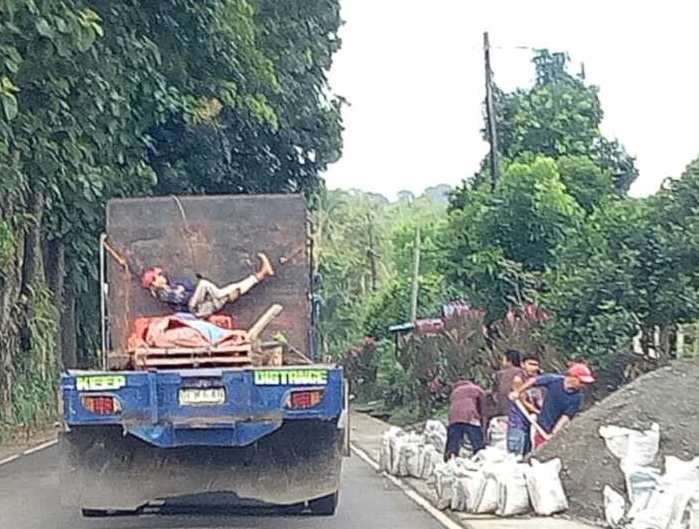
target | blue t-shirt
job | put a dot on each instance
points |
(558, 401)
(516, 419)
(177, 293)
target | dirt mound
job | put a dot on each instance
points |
(668, 396)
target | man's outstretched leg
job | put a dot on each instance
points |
(235, 290)
(208, 298)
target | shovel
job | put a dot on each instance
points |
(532, 420)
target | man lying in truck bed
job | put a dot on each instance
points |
(202, 298)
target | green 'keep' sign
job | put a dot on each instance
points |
(100, 382)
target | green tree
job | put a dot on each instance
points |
(501, 243)
(631, 267)
(559, 116)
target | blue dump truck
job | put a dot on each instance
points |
(173, 417)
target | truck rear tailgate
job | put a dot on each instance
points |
(203, 407)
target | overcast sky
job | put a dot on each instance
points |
(413, 73)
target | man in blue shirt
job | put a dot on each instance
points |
(564, 397)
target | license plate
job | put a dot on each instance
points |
(202, 396)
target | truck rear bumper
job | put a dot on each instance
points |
(102, 468)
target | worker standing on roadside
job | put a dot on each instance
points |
(511, 367)
(519, 440)
(498, 403)
(465, 416)
(564, 398)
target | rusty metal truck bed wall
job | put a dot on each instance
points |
(219, 238)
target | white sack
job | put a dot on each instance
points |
(490, 455)
(459, 494)
(444, 477)
(614, 507)
(436, 435)
(484, 498)
(665, 509)
(429, 459)
(409, 459)
(677, 470)
(497, 433)
(513, 496)
(395, 444)
(633, 447)
(545, 487)
(640, 484)
(670, 501)
(385, 456)
(693, 511)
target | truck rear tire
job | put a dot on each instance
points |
(324, 506)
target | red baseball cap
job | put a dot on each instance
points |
(149, 276)
(581, 372)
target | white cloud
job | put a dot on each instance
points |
(413, 73)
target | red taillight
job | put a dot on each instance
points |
(100, 404)
(300, 400)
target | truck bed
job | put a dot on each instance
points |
(218, 237)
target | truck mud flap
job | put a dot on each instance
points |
(101, 468)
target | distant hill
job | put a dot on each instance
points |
(439, 193)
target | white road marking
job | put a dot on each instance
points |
(43, 446)
(9, 459)
(28, 452)
(409, 492)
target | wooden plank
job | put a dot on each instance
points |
(175, 362)
(263, 321)
(243, 348)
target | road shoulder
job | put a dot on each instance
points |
(25, 443)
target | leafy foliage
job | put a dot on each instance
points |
(501, 242)
(559, 116)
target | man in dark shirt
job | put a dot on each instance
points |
(511, 368)
(564, 397)
(202, 297)
(465, 414)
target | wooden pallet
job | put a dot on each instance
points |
(227, 356)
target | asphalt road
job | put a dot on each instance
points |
(29, 500)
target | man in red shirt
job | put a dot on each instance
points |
(465, 415)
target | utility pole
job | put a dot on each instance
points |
(371, 252)
(490, 113)
(416, 274)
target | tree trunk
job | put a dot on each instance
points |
(33, 276)
(33, 266)
(10, 286)
(68, 342)
(55, 261)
